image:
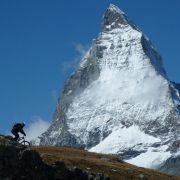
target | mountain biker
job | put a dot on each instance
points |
(18, 128)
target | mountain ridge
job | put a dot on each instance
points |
(118, 97)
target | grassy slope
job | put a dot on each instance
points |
(100, 163)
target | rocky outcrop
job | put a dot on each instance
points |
(113, 18)
(171, 166)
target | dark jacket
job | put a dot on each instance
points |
(18, 128)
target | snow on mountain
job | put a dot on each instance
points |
(119, 100)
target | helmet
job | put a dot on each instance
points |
(23, 123)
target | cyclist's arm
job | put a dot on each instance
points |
(22, 132)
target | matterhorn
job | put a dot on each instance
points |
(120, 101)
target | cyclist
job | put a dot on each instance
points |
(18, 128)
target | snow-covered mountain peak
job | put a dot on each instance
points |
(115, 18)
(116, 9)
(119, 100)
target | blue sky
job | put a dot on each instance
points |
(41, 41)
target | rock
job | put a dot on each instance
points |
(172, 166)
(142, 176)
(113, 18)
(79, 174)
(8, 160)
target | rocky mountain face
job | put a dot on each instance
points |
(120, 100)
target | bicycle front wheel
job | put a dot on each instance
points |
(26, 143)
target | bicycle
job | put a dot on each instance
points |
(22, 141)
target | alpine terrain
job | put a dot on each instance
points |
(120, 101)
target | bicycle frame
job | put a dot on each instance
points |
(22, 141)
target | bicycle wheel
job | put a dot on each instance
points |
(26, 143)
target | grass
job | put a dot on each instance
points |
(99, 163)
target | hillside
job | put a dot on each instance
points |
(64, 163)
(109, 165)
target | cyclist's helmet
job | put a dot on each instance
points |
(23, 123)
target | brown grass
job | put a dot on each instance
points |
(99, 163)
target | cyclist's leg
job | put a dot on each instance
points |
(16, 135)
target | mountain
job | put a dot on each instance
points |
(18, 162)
(120, 101)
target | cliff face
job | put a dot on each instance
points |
(119, 100)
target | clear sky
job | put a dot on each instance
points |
(41, 41)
